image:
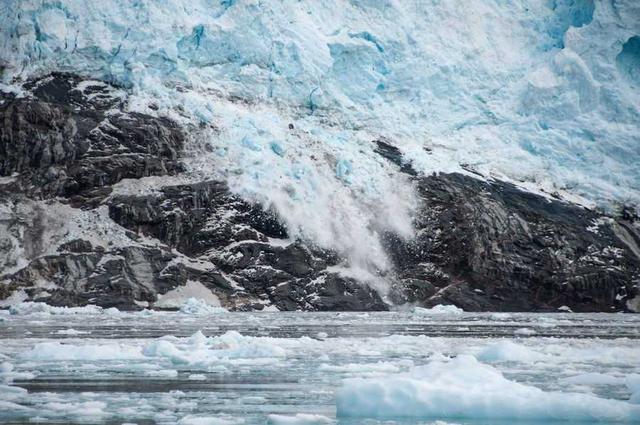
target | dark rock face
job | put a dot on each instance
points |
(244, 242)
(481, 245)
(72, 138)
(491, 246)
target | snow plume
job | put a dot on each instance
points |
(544, 92)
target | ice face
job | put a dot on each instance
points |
(539, 91)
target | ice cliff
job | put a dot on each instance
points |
(283, 98)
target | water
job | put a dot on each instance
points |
(109, 367)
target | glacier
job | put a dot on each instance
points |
(283, 98)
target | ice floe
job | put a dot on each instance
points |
(465, 388)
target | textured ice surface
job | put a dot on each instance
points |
(259, 368)
(538, 90)
(465, 388)
(438, 309)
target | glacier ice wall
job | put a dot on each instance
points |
(538, 91)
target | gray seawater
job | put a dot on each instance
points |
(146, 368)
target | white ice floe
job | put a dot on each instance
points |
(465, 388)
(505, 351)
(633, 385)
(536, 378)
(438, 309)
(229, 348)
(70, 331)
(365, 368)
(213, 353)
(207, 420)
(592, 378)
(299, 419)
(56, 351)
(8, 374)
(45, 309)
(524, 332)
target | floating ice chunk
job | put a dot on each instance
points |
(546, 322)
(592, 378)
(55, 351)
(163, 373)
(384, 367)
(42, 308)
(83, 409)
(633, 384)
(8, 374)
(507, 351)
(299, 419)
(524, 331)
(200, 307)
(466, 388)
(168, 350)
(70, 331)
(11, 393)
(206, 420)
(230, 347)
(438, 309)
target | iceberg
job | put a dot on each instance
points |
(464, 388)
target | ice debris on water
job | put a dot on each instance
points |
(200, 307)
(438, 309)
(465, 388)
(299, 419)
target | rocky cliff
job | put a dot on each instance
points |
(96, 208)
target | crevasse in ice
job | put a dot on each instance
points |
(544, 91)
